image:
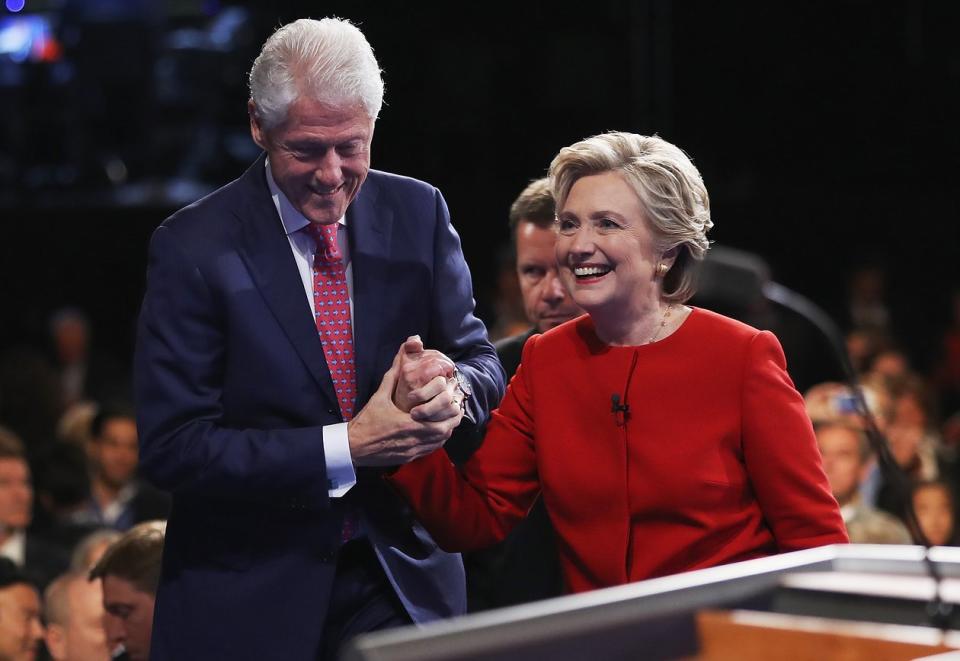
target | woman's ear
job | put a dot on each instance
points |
(670, 256)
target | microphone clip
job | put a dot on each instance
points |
(619, 411)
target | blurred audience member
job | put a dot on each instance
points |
(827, 402)
(83, 376)
(879, 400)
(29, 398)
(20, 626)
(118, 499)
(846, 458)
(914, 439)
(891, 364)
(862, 347)
(911, 428)
(62, 488)
(70, 335)
(130, 572)
(91, 548)
(73, 610)
(950, 434)
(933, 505)
(913, 404)
(74, 425)
(867, 304)
(947, 374)
(38, 559)
(524, 567)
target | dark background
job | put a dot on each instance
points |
(826, 132)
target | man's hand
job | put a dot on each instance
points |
(424, 374)
(383, 435)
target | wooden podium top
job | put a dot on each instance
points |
(759, 636)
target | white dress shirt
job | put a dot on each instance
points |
(336, 448)
(15, 548)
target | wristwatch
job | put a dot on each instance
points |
(463, 385)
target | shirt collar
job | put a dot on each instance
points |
(15, 548)
(292, 219)
(847, 512)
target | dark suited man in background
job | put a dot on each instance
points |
(524, 566)
(40, 560)
(118, 499)
(275, 377)
(545, 301)
(129, 572)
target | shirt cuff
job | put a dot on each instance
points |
(340, 474)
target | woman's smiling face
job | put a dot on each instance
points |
(605, 249)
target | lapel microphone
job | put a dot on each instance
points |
(619, 410)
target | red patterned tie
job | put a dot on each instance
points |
(331, 303)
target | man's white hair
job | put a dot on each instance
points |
(327, 60)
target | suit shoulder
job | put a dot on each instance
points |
(207, 225)
(219, 210)
(399, 191)
(212, 208)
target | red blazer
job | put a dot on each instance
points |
(714, 462)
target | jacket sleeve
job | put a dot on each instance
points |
(477, 504)
(185, 447)
(458, 333)
(781, 454)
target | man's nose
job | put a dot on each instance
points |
(553, 291)
(113, 627)
(329, 169)
(36, 629)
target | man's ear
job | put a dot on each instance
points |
(257, 131)
(56, 641)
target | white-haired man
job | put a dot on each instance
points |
(281, 365)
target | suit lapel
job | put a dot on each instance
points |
(266, 251)
(369, 227)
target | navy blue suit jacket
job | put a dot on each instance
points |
(233, 391)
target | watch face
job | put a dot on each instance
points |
(463, 383)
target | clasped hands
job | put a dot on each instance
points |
(412, 413)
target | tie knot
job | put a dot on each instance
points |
(326, 239)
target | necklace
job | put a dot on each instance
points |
(663, 323)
